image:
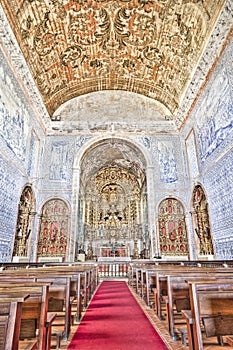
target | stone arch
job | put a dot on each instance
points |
(173, 238)
(201, 223)
(54, 227)
(25, 223)
(87, 158)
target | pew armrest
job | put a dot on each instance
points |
(188, 316)
(50, 319)
(72, 299)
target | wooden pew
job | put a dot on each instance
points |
(86, 278)
(146, 278)
(58, 298)
(136, 267)
(212, 309)
(178, 297)
(78, 287)
(10, 319)
(72, 287)
(144, 283)
(161, 281)
(150, 279)
(34, 310)
(62, 278)
(87, 275)
(161, 289)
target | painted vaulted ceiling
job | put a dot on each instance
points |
(118, 58)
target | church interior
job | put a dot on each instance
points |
(116, 122)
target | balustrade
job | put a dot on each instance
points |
(118, 269)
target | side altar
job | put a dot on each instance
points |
(119, 252)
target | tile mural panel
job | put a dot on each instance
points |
(192, 155)
(146, 141)
(56, 165)
(218, 183)
(167, 162)
(14, 115)
(81, 140)
(224, 249)
(214, 114)
(33, 155)
(9, 188)
(59, 160)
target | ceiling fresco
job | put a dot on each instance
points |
(151, 48)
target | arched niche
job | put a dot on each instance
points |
(53, 230)
(173, 238)
(25, 224)
(112, 202)
(201, 223)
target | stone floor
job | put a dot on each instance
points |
(161, 328)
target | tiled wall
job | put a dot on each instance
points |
(212, 121)
(19, 152)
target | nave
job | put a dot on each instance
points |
(114, 320)
(160, 327)
(175, 305)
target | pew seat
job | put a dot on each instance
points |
(28, 345)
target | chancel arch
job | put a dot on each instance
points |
(201, 223)
(173, 238)
(54, 230)
(112, 201)
(25, 223)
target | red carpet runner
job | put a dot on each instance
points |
(115, 321)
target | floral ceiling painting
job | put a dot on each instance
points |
(76, 47)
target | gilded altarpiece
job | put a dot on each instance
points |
(172, 228)
(53, 235)
(201, 222)
(25, 221)
(113, 213)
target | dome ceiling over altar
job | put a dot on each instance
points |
(110, 61)
(113, 153)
